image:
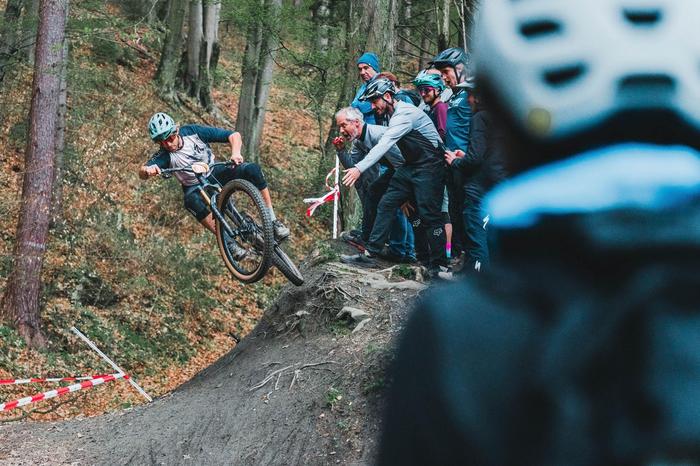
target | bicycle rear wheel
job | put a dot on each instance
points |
(248, 253)
(286, 266)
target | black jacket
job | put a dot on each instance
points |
(579, 346)
(483, 164)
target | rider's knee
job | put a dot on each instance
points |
(253, 173)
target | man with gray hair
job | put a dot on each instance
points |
(371, 186)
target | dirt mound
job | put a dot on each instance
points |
(304, 387)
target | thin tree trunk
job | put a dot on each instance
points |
(443, 22)
(8, 34)
(258, 65)
(20, 304)
(407, 16)
(209, 56)
(195, 35)
(57, 203)
(322, 15)
(383, 36)
(166, 75)
(29, 25)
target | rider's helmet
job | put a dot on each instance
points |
(377, 88)
(161, 126)
(567, 77)
(425, 79)
(456, 58)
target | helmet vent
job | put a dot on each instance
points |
(540, 28)
(650, 86)
(642, 17)
(565, 75)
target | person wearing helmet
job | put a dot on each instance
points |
(579, 345)
(182, 146)
(482, 167)
(453, 64)
(421, 177)
(367, 68)
(430, 86)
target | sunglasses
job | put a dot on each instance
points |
(171, 138)
(425, 90)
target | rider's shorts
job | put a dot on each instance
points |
(247, 171)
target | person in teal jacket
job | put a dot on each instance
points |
(367, 67)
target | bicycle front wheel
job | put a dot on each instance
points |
(248, 252)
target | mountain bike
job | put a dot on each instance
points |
(243, 228)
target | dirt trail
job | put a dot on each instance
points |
(300, 389)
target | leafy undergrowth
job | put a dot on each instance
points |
(128, 266)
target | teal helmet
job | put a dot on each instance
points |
(425, 79)
(161, 126)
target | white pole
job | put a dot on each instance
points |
(335, 199)
(110, 362)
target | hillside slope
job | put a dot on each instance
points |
(301, 388)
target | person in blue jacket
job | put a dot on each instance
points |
(367, 67)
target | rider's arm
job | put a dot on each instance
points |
(236, 143)
(152, 168)
(399, 125)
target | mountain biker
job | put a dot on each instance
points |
(579, 345)
(367, 68)
(182, 146)
(453, 63)
(421, 177)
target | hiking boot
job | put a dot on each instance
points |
(352, 237)
(360, 260)
(281, 231)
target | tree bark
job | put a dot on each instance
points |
(20, 303)
(60, 144)
(166, 76)
(209, 55)
(258, 64)
(195, 35)
(8, 34)
(322, 14)
(383, 35)
(443, 22)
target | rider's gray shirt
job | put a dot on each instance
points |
(412, 132)
(371, 134)
(195, 148)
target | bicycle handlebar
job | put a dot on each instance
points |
(166, 172)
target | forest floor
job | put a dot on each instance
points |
(304, 387)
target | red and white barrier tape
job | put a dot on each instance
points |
(328, 197)
(49, 380)
(61, 391)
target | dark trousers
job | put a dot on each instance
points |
(425, 186)
(374, 193)
(476, 245)
(455, 192)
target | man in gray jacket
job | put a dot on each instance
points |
(371, 185)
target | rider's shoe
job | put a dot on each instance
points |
(281, 231)
(352, 237)
(237, 251)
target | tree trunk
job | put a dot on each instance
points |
(57, 204)
(20, 304)
(195, 35)
(29, 26)
(443, 22)
(209, 56)
(8, 34)
(258, 63)
(406, 21)
(383, 35)
(166, 75)
(322, 14)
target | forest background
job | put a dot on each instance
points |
(84, 242)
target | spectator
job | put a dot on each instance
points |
(482, 167)
(368, 67)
